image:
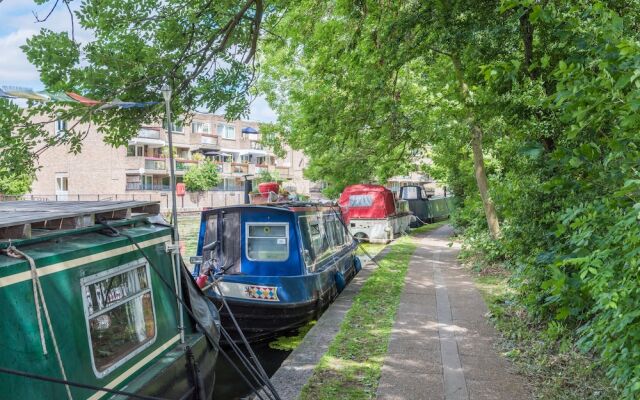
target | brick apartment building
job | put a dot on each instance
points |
(141, 170)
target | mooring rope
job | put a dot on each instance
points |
(41, 301)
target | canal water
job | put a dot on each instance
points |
(230, 386)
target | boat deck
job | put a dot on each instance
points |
(18, 219)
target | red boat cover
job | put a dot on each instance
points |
(267, 187)
(367, 201)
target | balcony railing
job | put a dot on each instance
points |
(255, 145)
(240, 168)
(155, 164)
(183, 165)
(147, 186)
(149, 133)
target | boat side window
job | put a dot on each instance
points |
(315, 241)
(307, 243)
(360, 200)
(333, 231)
(267, 241)
(119, 314)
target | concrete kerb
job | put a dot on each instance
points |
(296, 369)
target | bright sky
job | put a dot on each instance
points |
(17, 24)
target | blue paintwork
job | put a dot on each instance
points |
(295, 284)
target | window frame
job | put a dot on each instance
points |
(225, 129)
(246, 239)
(194, 124)
(100, 276)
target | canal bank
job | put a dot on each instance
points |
(439, 344)
(299, 366)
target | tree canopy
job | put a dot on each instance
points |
(540, 97)
(204, 50)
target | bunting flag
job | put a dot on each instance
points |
(23, 93)
(11, 92)
(60, 97)
(83, 100)
(117, 103)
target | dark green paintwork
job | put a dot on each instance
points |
(20, 344)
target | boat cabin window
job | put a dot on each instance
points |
(315, 240)
(267, 241)
(335, 231)
(360, 200)
(410, 193)
(120, 314)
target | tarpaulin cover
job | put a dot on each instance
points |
(367, 201)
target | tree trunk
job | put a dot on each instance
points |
(478, 157)
(483, 183)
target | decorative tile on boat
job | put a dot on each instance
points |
(267, 293)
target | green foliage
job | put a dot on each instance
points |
(545, 353)
(265, 176)
(201, 177)
(14, 184)
(555, 86)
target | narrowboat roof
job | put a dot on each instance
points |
(291, 206)
(19, 218)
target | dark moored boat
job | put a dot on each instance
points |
(426, 209)
(102, 305)
(280, 265)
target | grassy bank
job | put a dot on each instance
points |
(351, 367)
(545, 353)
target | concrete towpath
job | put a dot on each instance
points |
(441, 344)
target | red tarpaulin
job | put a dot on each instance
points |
(367, 201)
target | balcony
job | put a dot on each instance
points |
(155, 165)
(205, 141)
(183, 165)
(149, 133)
(240, 168)
(255, 145)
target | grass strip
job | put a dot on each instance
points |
(350, 369)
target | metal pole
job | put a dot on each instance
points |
(174, 217)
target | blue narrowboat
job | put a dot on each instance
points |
(278, 266)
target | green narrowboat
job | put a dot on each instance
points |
(89, 296)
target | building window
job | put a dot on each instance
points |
(200, 127)
(245, 158)
(226, 131)
(267, 242)
(119, 314)
(62, 183)
(176, 127)
(135, 151)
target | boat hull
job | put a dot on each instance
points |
(379, 230)
(300, 300)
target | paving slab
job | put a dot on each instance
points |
(441, 345)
